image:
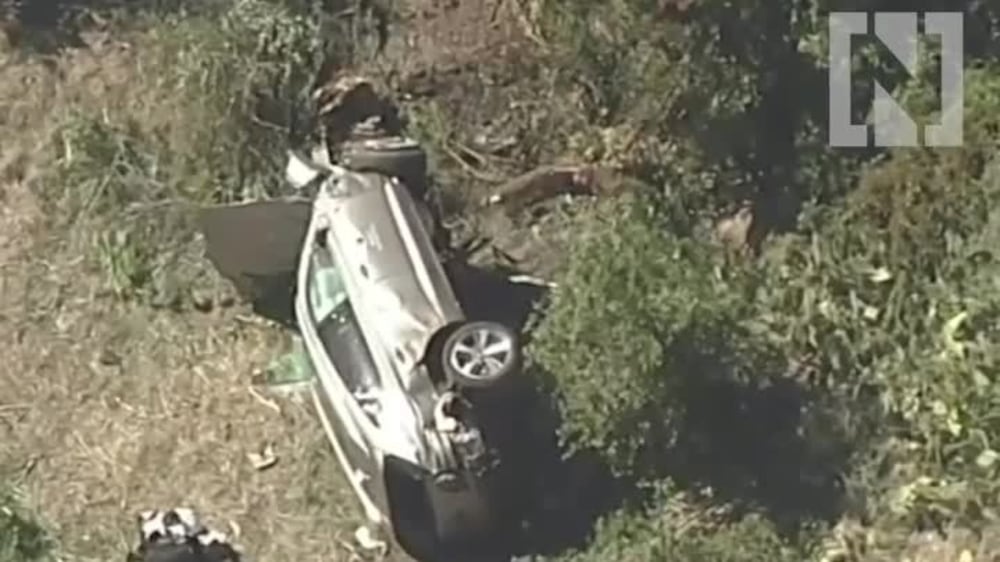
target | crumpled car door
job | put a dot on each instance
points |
(257, 247)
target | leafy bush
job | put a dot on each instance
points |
(679, 530)
(879, 311)
(933, 214)
(694, 97)
(664, 365)
(221, 95)
(22, 538)
(637, 310)
(120, 204)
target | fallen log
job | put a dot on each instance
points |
(547, 182)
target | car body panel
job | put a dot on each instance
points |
(256, 246)
(392, 310)
(354, 456)
(377, 229)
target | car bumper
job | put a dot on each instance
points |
(443, 508)
(460, 504)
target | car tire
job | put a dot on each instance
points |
(481, 354)
(398, 157)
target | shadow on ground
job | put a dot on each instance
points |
(47, 26)
(758, 447)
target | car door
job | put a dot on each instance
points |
(343, 364)
(257, 247)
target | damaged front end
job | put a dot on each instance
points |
(450, 503)
(451, 488)
(461, 492)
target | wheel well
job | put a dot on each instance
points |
(433, 357)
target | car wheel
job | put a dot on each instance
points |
(481, 354)
(397, 157)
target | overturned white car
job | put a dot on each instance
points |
(398, 365)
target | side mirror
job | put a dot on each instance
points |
(300, 170)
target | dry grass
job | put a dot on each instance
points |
(448, 34)
(110, 408)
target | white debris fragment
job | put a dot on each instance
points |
(178, 526)
(368, 541)
(530, 280)
(880, 275)
(264, 459)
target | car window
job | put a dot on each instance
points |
(326, 286)
(337, 326)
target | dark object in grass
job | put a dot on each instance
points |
(177, 536)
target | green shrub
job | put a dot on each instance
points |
(880, 308)
(665, 363)
(116, 197)
(241, 80)
(220, 96)
(22, 538)
(680, 530)
(636, 312)
(891, 299)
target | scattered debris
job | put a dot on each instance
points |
(347, 101)
(734, 231)
(531, 280)
(109, 358)
(202, 301)
(177, 534)
(264, 400)
(264, 459)
(880, 275)
(235, 530)
(491, 145)
(368, 541)
(288, 375)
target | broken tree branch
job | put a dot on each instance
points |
(471, 170)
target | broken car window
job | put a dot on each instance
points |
(337, 325)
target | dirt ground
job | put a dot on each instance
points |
(109, 408)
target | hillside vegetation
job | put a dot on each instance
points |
(829, 391)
